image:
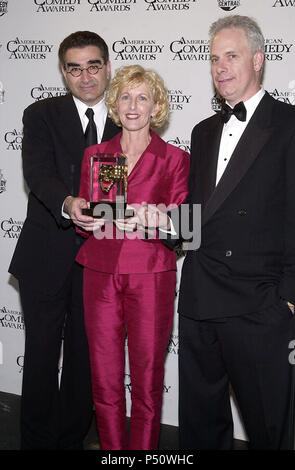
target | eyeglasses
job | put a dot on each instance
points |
(92, 70)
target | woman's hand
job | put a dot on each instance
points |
(130, 224)
(151, 217)
(146, 218)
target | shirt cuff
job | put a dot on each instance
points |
(64, 214)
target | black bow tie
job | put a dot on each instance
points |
(239, 111)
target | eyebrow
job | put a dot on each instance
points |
(215, 56)
(226, 53)
(93, 61)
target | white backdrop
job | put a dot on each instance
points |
(170, 36)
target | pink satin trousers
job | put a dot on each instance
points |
(141, 306)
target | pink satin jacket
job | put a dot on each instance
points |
(159, 177)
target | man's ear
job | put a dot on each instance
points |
(258, 60)
(63, 72)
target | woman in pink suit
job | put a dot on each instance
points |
(129, 281)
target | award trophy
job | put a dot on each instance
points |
(107, 174)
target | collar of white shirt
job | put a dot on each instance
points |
(232, 132)
(251, 105)
(100, 115)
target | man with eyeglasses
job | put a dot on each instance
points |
(56, 411)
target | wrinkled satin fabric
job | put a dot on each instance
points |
(141, 305)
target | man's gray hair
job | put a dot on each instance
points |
(249, 25)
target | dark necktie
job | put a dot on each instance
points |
(239, 111)
(91, 131)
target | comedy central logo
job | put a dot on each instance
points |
(276, 49)
(190, 49)
(169, 5)
(111, 5)
(42, 91)
(56, 6)
(136, 49)
(3, 8)
(228, 5)
(33, 49)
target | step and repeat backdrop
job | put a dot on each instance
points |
(170, 36)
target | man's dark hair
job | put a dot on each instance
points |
(82, 39)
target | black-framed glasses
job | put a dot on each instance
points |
(92, 70)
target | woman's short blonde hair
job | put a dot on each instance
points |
(133, 76)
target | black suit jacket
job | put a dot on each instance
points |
(53, 147)
(246, 260)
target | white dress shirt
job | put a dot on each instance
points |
(232, 132)
(100, 114)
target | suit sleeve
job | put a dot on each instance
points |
(177, 239)
(39, 167)
(180, 173)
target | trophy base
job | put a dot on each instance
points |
(114, 210)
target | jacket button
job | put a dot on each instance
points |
(228, 253)
(242, 212)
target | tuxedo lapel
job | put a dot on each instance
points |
(249, 146)
(209, 165)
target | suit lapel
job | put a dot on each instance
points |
(248, 148)
(72, 137)
(209, 165)
(110, 130)
(72, 130)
